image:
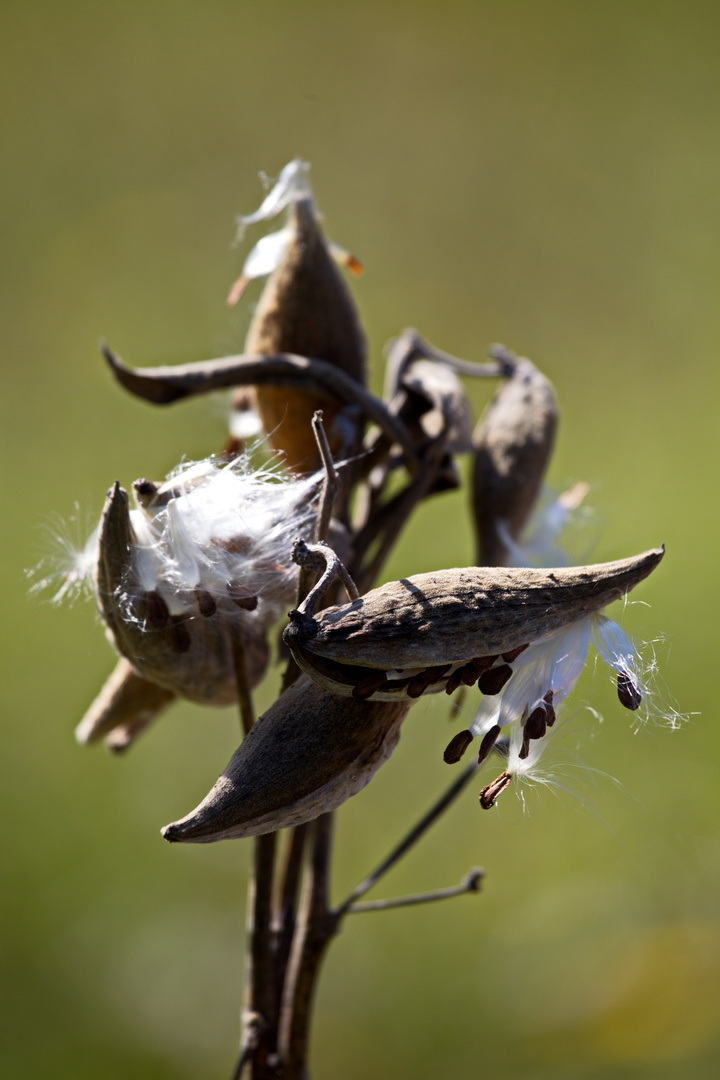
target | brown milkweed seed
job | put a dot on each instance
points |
(514, 653)
(241, 597)
(488, 742)
(367, 686)
(419, 683)
(205, 602)
(628, 692)
(536, 723)
(492, 681)
(158, 614)
(490, 793)
(457, 747)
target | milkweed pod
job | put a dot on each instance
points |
(124, 708)
(442, 404)
(431, 632)
(306, 755)
(305, 309)
(513, 442)
(168, 642)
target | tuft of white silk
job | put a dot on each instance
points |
(559, 527)
(267, 254)
(227, 528)
(292, 182)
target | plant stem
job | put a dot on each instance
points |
(411, 838)
(470, 883)
(315, 928)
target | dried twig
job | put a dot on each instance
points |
(410, 346)
(285, 915)
(410, 839)
(388, 521)
(330, 482)
(164, 385)
(316, 926)
(470, 883)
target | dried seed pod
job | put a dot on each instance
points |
(306, 755)
(438, 402)
(513, 443)
(449, 620)
(305, 309)
(126, 705)
(187, 653)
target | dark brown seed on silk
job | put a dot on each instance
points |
(628, 692)
(536, 723)
(492, 681)
(457, 747)
(205, 602)
(157, 610)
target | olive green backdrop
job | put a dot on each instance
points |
(546, 174)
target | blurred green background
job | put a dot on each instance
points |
(546, 174)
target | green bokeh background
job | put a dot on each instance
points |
(546, 174)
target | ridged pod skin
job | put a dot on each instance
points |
(305, 309)
(190, 655)
(429, 626)
(512, 443)
(306, 755)
(124, 708)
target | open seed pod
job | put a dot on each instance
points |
(306, 755)
(305, 309)
(513, 443)
(183, 642)
(439, 403)
(430, 632)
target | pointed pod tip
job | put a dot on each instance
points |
(116, 495)
(111, 357)
(83, 734)
(653, 556)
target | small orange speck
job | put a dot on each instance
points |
(237, 290)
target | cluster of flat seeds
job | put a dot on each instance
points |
(490, 673)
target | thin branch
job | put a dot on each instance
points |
(285, 916)
(470, 883)
(415, 834)
(330, 482)
(410, 346)
(316, 926)
(309, 567)
(245, 704)
(246, 1052)
(164, 385)
(260, 999)
(260, 988)
(390, 519)
(317, 556)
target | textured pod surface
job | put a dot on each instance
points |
(187, 654)
(513, 443)
(434, 622)
(445, 405)
(126, 705)
(306, 309)
(306, 755)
